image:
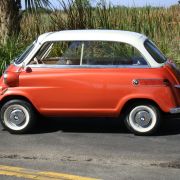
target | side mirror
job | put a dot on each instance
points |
(28, 69)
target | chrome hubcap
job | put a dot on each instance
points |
(143, 118)
(17, 117)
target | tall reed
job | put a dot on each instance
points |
(162, 25)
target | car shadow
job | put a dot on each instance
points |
(170, 126)
(80, 125)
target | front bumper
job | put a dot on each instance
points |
(175, 110)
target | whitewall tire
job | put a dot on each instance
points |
(17, 116)
(143, 119)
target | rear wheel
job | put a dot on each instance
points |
(17, 116)
(143, 119)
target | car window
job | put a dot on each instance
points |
(111, 53)
(22, 57)
(58, 53)
(155, 52)
(88, 53)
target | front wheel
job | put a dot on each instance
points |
(17, 116)
(143, 119)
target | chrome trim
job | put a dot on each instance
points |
(87, 66)
(175, 110)
(177, 86)
(151, 79)
(135, 82)
(5, 77)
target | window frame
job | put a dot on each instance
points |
(155, 52)
(20, 59)
(85, 65)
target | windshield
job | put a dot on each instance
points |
(21, 58)
(155, 52)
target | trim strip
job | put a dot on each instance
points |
(177, 86)
(175, 110)
(87, 66)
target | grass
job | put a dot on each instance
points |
(162, 25)
(10, 50)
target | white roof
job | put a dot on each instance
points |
(106, 35)
(132, 38)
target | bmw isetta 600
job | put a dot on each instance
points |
(97, 73)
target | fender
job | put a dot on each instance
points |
(11, 92)
(164, 100)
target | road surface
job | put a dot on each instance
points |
(99, 148)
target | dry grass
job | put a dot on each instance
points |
(159, 24)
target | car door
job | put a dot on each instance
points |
(78, 78)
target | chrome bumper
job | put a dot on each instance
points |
(177, 86)
(175, 110)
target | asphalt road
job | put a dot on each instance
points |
(94, 147)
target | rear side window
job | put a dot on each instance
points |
(111, 53)
(157, 55)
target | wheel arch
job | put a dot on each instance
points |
(19, 97)
(133, 101)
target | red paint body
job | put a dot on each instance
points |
(91, 91)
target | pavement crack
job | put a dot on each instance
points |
(173, 164)
(162, 164)
(11, 156)
(15, 156)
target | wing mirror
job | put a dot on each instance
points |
(28, 69)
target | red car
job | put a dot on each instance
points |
(90, 73)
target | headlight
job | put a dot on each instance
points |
(11, 78)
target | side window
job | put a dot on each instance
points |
(157, 55)
(59, 53)
(88, 53)
(111, 53)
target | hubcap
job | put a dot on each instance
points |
(143, 118)
(17, 116)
